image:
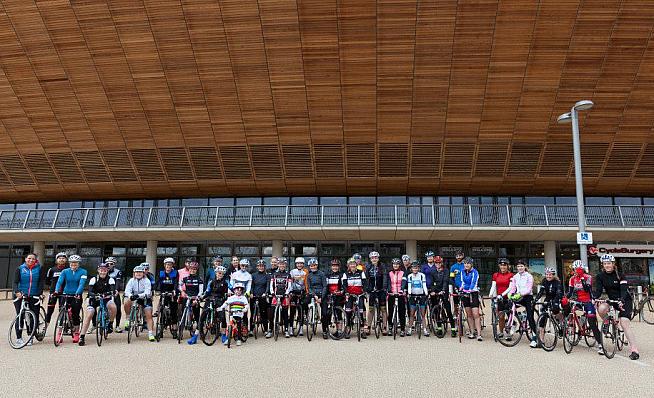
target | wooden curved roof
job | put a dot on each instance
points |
(153, 98)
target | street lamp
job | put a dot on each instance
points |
(573, 117)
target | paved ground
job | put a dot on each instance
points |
(384, 367)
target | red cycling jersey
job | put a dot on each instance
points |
(502, 281)
(581, 286)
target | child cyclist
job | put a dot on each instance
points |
(238, 306)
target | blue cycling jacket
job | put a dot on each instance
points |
(455, 273)
(28, 281)
(72, 281)
(470, 279)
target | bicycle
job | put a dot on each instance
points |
(297, 323)
(235, 329)
(438, 317)
(378, 324)
(312, 319)
(613, 336)
(277, 315)
(417, 325)
(136, 317)
(337, 318)
(102, 319)
(395, 317)
(164, 316)
(516, 325)
(552, 329)
(256, 318)
(209, 323)
(643, 307)
(25, 320)
(461, 318)
(495, 320)
(64, 324)
(355, 321)
(186, 320)
(575, 328)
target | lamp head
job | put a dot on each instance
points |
(583, 105)
(565, 118)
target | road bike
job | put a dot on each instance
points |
(64, 324)
(164, 316)
(336, 318)
(643, 307)
(209, 322)
(575, 327)
(136, 318)
(461, 318)
(438, 316)
(277, 316)
(516, 325)
(418, 323)
(378, 322)
(552, 328)
(395, 316)
(298, 321)
(355, 322)
(312, 318)
(612, 334)
(25, 321)
(256, 324)
(102, 318)
(187, 319)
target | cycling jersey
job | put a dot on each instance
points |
(192, 285)
(118, 277)
(168, 281)
(522, 283)
(581, 287)
(376, 277)
(354, 282)
(455, 273)
(427, 269)
(615, 288)
(182, 273)
(552, 290)
(469, 280)
(218, 289)
(243, 277)
(51, 277)
(316, 283)
(417, 284)
(72, 282)
(299, 280)
(502, 282)
(236, 304)
(28, 281)
(102, 286)
(280, 283)
(440, 281)
(396, 281)
(334, 283)
(260, 283)
(138, 287)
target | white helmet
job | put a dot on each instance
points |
(373, 254)
(578, 264)
(169, 260)
(313, 261)
(138, 268)
(607, 257)
(244, 261)
(238, 285)
(74, 259)
(220, 268)
(111, 260)
(61, 254)
(299, 260)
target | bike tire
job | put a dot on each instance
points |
(377, 319)
(394, 321)
(495, 323)
(309, 323)
(647, 311)
(611, 337)
(356, 323)
(40, 332)
(182, 325)
(254, 320)
(28, 318)
(230, 332)
(297, 321)
(335, 331)
(459, 322)
(589, 338)
(160, 326)
(59, 327)
(569, 334)
(206, 323)
(512, 329)
(550, 327)
(99, 329)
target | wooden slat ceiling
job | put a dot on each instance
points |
(171, 98)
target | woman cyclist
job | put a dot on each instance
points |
(552, 289)
(397, 287)
(469, 285)
(521, 292)
(580, 285)
(499, 290)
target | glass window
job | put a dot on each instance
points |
(247, 250)
(116, 251)
(566, 200)
(248, 201)
(148, 203)
(276, 201)
(427, 200)
(456, 200)
(304, 201)
(7, 206)
(166, 250)
(112, 203)
(362, 200)
(537, 250)
(221, 250)
(648, 201)
(628, 201)
(414, 200)
(88, 203)
(48, 205)
(503, 200)
(517, 200)
(539, 200)
(190, 250)
(363, 248)
(266, 252)
(221, 201)
(123, 203)
(136, 251)
(4, 250)
(473, 200)
(90, 251)
(174, 203)
(334, 200)
(333, 249)
(391, 200)
(597, 201)
(482, 250)
(487, 200)
(26, 206)
(194, 202)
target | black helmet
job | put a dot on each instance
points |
(503, 260)
(336, 262)
(397, 261)
(521, 261)
(415, 264)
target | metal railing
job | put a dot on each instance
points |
(361, 215)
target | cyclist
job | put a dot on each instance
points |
(359, 260)
(440, 290)
(280, 285)
(217, 291)
(149, 275)
(274, 261)
(406, 264)
(499, 290)
(237, 303)
(333, 286)
(117, 274)
(168, 284)
(192, 287)
(51, 277)
(428, 267)
(455, 273)
(298, 290)
(100, 285)
(71, 282)
(28, 285)
(232, 267)
(377, 277)
(580, 285)
(521, 292)
(185, 271)
(316, 282)
(397, 286)
(616, 289)
(211, 272)
(354, 284)
(552, 289)
(138, 289)
(417, 289)
(242, 275)
(260, 283)
(469, 284)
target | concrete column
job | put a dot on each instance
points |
(278, 248)
(412, 249)
(39, 249)
(550, 253)
(151, 255)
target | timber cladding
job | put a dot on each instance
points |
(154, 98)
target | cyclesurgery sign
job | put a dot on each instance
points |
(622, 250)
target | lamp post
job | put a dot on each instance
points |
(573, 117)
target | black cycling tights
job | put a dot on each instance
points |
(119, 310)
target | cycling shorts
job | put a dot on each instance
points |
(471, 301)
(417, 301)
(95, 303)
(626, 311)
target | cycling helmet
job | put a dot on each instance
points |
(521, 261)
(146, 266)
(299, 260)
(406, 257)
(108, 260)
(550, 270)
(217, 258)
(356, 256)
(313, 261)
(351, 260)
(415, 264)
(103, 265)
(429, 253)
(468, 260)
(74, 259)
(189, 260)
(336, 262)
(607, 257)
(438, 259)
(62, 254)
(238, 285)
(169, 260)
(245, 262)
(397, 261)
(194, 265)
(373, 254)
(220, 268)
(261, 261)
(578, 264)
(503, 260)
(459, 253)
(283, 260)
(138, 268)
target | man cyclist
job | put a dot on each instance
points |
(417, 289)
(377, 277)
(71, 282)
(333, 286)
(455, 274)
(138, 289)
(51, 277)
(185, 271)
(192, 287)
(100, 286)
(406, 264)
(397, 287)
(117, 275)
(354, 284)
(316, 282)
(150, 276)
(298, 291)
(237, 304)
(260, 283)
(581, 286)
(280, 286)
(211, 272)
(243, 275)
(167, 284)
(28, 285)
(440, 290)
(217, 291)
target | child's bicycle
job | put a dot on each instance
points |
(236, 328)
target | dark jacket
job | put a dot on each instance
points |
(440, 280)
(316, 282)
(552, 290)
(260, 283)
(377, 278)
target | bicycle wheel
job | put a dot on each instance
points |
(460, 320)
(589, 338)
(647, 311)
(495, 323)
(160, 326)
(610, 338)
(512, 330)
(230, 332)
(254, 320)
(337, 319)
(297, 322)
(62, 321)
(182, 325)
(40, 331)
(550, 333)
(139, 322)
(376, 316)
(26, 325)
(570, 335)
(309, 323)
(130, 329)
(208, 329)
(356, 323)
(99, 329)
(438, 318)
(394, 321)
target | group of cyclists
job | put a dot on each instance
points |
(370, 288)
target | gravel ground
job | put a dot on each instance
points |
(427, 367)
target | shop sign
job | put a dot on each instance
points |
(622, 250)
(482, 251)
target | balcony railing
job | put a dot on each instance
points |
(312, 216)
